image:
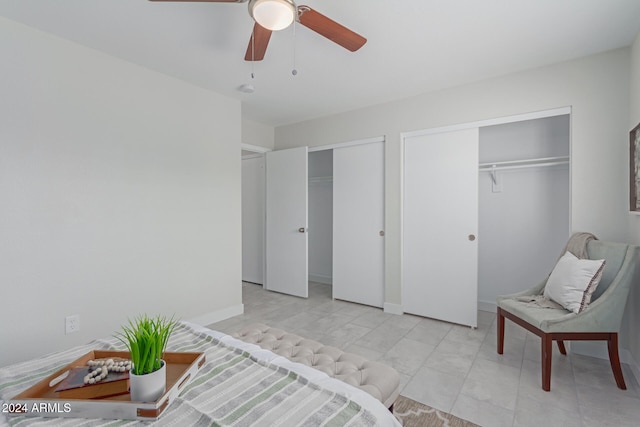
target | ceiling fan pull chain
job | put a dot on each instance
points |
(253, 51)
(294, 71)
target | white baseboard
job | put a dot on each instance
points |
(599, 350)
(592, 349)
(393, 308)
(491, 307)
(627, 357)
(321, 278)
(218, 315)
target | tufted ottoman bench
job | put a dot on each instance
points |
(377, 379)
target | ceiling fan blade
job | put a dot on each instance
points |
(257, 43)
(330, 29)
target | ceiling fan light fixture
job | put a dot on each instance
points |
(273, 15)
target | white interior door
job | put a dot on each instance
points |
(286, 222)
(253, 219)
(440, 250)
(358, 223)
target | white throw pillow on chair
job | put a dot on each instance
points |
(573, 281)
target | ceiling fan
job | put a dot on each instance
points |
(274, 15)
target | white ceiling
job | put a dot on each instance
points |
(413, 46)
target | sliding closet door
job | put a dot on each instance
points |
(440, 250)
(358, 223)
(286, 219)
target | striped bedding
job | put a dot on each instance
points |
(239, 385)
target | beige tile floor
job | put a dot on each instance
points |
(455, 368)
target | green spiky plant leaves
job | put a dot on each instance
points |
(146, 339)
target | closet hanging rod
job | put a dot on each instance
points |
(526, 161)
(494, 167)
(320, 179)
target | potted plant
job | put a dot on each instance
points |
(146, 339)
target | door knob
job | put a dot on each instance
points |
(381, 233)
(472, 237)
(302, 230)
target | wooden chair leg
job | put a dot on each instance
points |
(561, 347)
(546, 348)
(614, 359)
(500, 331)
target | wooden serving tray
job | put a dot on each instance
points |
(41, 400)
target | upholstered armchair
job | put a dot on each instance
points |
(600, 320)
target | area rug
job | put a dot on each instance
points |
(414, 414)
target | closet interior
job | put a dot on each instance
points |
(253, 217)
(321, 216)
(486, 213)
(523, 204)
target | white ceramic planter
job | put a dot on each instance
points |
(148, 387)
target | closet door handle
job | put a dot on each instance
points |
(472, 237)
(302, 230)
(381, 233)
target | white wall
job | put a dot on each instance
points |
(596, 88)
(259, 134)
(633, 307)
(635, 83)
(321, 216)
(120, 193)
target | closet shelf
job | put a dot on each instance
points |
(522, 164)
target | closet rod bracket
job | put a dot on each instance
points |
(496, 186)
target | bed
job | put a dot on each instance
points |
(240, 384)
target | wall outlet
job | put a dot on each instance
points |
(72, 324)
